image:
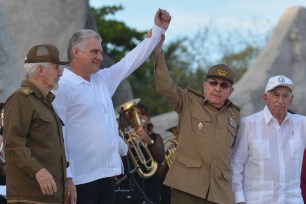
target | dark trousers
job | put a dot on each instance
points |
(2, 200)
(101, 191)
(180, 197)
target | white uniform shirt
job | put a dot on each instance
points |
(267, 159)
(93, 145)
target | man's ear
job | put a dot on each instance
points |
(232, 89)
(265, 96)
(75, 52)
(39, 70)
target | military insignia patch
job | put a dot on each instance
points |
(25, 90)
(200, 126)
(232, 122)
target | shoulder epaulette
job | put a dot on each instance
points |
(25, 90)
(236, 106)
(194, 92)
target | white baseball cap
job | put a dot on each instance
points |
(277, 81)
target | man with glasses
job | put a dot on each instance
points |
(201, 172)
(268, 152)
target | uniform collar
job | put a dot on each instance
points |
(226, 104)
(37, 92)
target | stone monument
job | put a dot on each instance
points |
(8, 65)
(25, 23)
(284, 54)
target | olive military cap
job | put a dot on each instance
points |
(44, 53)
(221, 71)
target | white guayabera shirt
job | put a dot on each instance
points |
(267, 159)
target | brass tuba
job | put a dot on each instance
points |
(138, 151)
(171, 148)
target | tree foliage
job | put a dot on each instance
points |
(117, 37)
(187, 58)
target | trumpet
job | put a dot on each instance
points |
(138, 151)
(171, 149)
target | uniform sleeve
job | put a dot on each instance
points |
(165, 84)
(17, 120)
(238, 159)
(135, 58)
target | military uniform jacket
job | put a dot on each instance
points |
(32, 141)
(201, 165)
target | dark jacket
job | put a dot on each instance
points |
(32, 140)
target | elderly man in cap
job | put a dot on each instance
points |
(201, 172)
(268, 153)
(33, 143)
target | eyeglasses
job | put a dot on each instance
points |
(223, 85)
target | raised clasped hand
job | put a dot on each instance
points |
(162, 19)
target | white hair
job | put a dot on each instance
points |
(30, 68)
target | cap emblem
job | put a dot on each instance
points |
(222, 72)
(281, 80)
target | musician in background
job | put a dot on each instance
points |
(151, 186)
(170, 149)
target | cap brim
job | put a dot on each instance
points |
(55, 62)
(217, 76)
(60, 62)
(290, 86)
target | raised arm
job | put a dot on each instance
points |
(138, 55)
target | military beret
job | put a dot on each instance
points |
(221, 71)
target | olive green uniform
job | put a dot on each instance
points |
(32, 140)
(201, 165)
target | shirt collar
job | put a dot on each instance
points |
(269, 117)
(73, 78)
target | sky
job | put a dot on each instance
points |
(188, 16)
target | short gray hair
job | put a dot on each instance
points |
(79, 40)
(30, 68)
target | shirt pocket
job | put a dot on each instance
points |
(47, 126)
(254, 193)
(231, 135)
(47, 118)
(296, 148)
(261, 149)
(187, 171)
(201, 123)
